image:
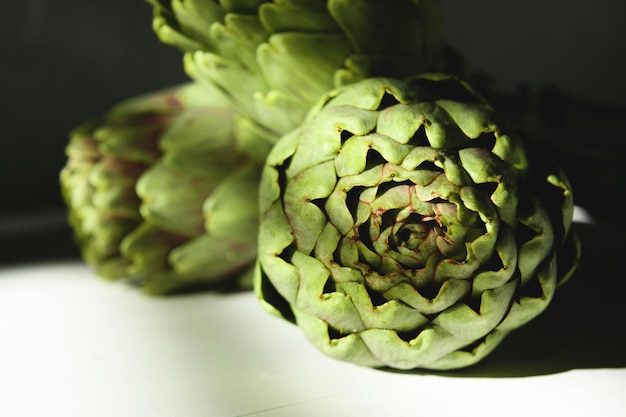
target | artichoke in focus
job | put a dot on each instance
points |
(159, 194)
(275, 59)
(404, 224)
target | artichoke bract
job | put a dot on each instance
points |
(274, 59)
(159, 195)
(405, 225)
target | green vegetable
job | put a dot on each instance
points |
(405, 225)
(274, 59)
(159, 194)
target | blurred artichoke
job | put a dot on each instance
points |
(274, 59)
(405, 225)
(158, 193)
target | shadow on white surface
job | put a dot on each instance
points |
(74, 345)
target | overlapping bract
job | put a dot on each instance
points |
(274, 59)
(159, 194)
(403, 223)
(418, 234)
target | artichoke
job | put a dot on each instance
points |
(405, 224)
(275, 59)
(159, 194)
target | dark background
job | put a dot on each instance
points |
(65, 61)
(577, 45)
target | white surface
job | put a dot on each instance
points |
(74, 345)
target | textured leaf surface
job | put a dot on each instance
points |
(418, 234)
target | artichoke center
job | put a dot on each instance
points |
(414, 231)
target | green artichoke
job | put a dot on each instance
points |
(159, 194)
(406, 225)
(274, 59)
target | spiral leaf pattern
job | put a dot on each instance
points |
(403, 225)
